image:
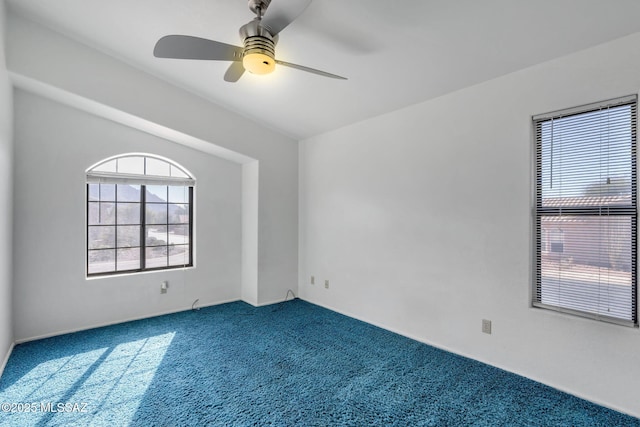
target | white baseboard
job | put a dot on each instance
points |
(279, 300)
(115, 322)
(264, 304)
(6, 358)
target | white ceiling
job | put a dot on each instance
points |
(395, 53)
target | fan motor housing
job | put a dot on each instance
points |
(259, 52)
(259, 55)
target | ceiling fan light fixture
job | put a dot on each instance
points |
(258, 63)
(259, 55)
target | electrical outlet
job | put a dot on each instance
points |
(486, 326)
(164, 286)
(326, 284)
(313, 280)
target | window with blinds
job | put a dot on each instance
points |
(586, 212)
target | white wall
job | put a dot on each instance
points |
(54, 145)
(48, 57)
(250, 231)
(6, 183)
(421, 221)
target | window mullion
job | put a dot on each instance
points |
(115, 226)
(143, 226)
(167, 225)
(87, 226)
(190, 189)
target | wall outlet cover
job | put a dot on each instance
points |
(486, 326)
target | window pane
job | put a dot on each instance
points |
(156, 257)
(109, 166)
(128, 259)
(156, 193)
(178, 194)
(156, 213)
(102, 237)
(178, 255)
(178, 234)
(586, 264)
(128, 193)
(128, 236)
(107, 192)
(131, 165)
(94, 192)
(178, 214)
(101, 213)
(157, 167)
(177, 172)
(102, 192)
(586, 158)
(156, 235)
(102, 261)
(128, 213)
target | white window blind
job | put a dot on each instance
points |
(586, 211)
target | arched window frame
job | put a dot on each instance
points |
(148, 224)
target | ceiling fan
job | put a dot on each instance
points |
(259, 37)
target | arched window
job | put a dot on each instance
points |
(139, 215)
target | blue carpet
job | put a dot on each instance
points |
(290, 364)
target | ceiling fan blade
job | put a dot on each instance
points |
(281, 13)
(189, 47)
(310, 70)
(234, 72)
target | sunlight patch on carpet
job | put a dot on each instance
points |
(100, 387)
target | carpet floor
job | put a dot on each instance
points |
(289, 364)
